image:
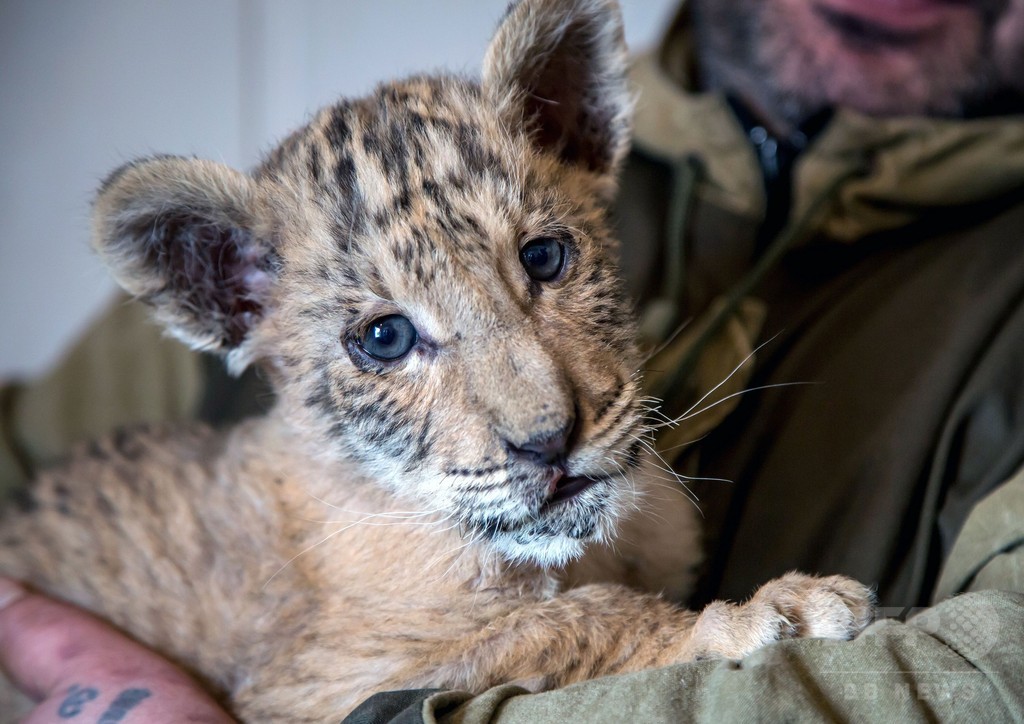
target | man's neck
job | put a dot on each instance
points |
(780, 119)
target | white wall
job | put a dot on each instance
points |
(89, 84)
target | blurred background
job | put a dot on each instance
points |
(89, 84)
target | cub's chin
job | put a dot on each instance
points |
(580, 512)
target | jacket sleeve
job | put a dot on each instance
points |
(122, 370)
(989, 551)
(962, 660)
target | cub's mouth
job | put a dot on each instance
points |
(566, 487)
(572, 511)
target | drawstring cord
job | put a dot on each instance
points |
(774, 252)
(661, 313)
(686, 173)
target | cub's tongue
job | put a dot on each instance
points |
(568, 487)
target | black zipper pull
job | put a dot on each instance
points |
(767, 152)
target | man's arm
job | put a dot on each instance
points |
(77, 669)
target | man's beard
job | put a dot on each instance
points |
(765, 48)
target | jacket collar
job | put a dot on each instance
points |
(890, 172)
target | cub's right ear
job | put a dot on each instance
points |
(194, 240)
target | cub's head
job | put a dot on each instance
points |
(428, 277)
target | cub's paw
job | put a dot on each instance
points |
(793, 606)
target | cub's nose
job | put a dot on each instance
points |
(547, 447)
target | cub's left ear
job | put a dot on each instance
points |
(558, 67)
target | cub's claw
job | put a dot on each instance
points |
(793, 606)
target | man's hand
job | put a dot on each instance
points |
(79, 669)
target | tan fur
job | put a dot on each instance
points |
(398, 524)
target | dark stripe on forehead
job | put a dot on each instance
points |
(415, 254)
(461, 229)
(345, 176)
(418, 138)
(386, 141)
(315, 168)
(479, 160)
(345, 229)
(350, 214)
(338, 133)
(337, 130)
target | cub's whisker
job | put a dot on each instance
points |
(690, 415)
(394, 513)
(302, 553)
(725, 379)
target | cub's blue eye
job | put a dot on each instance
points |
(543, 258)
(389, 338)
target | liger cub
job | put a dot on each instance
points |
(454, 481)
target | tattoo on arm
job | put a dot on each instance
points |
(79, 696)
(125, 702)
(76, 699)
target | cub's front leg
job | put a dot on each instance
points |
(599, 630)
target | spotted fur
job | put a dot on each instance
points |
(406, 522)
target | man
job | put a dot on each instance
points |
(885, 252)
(836, 186)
